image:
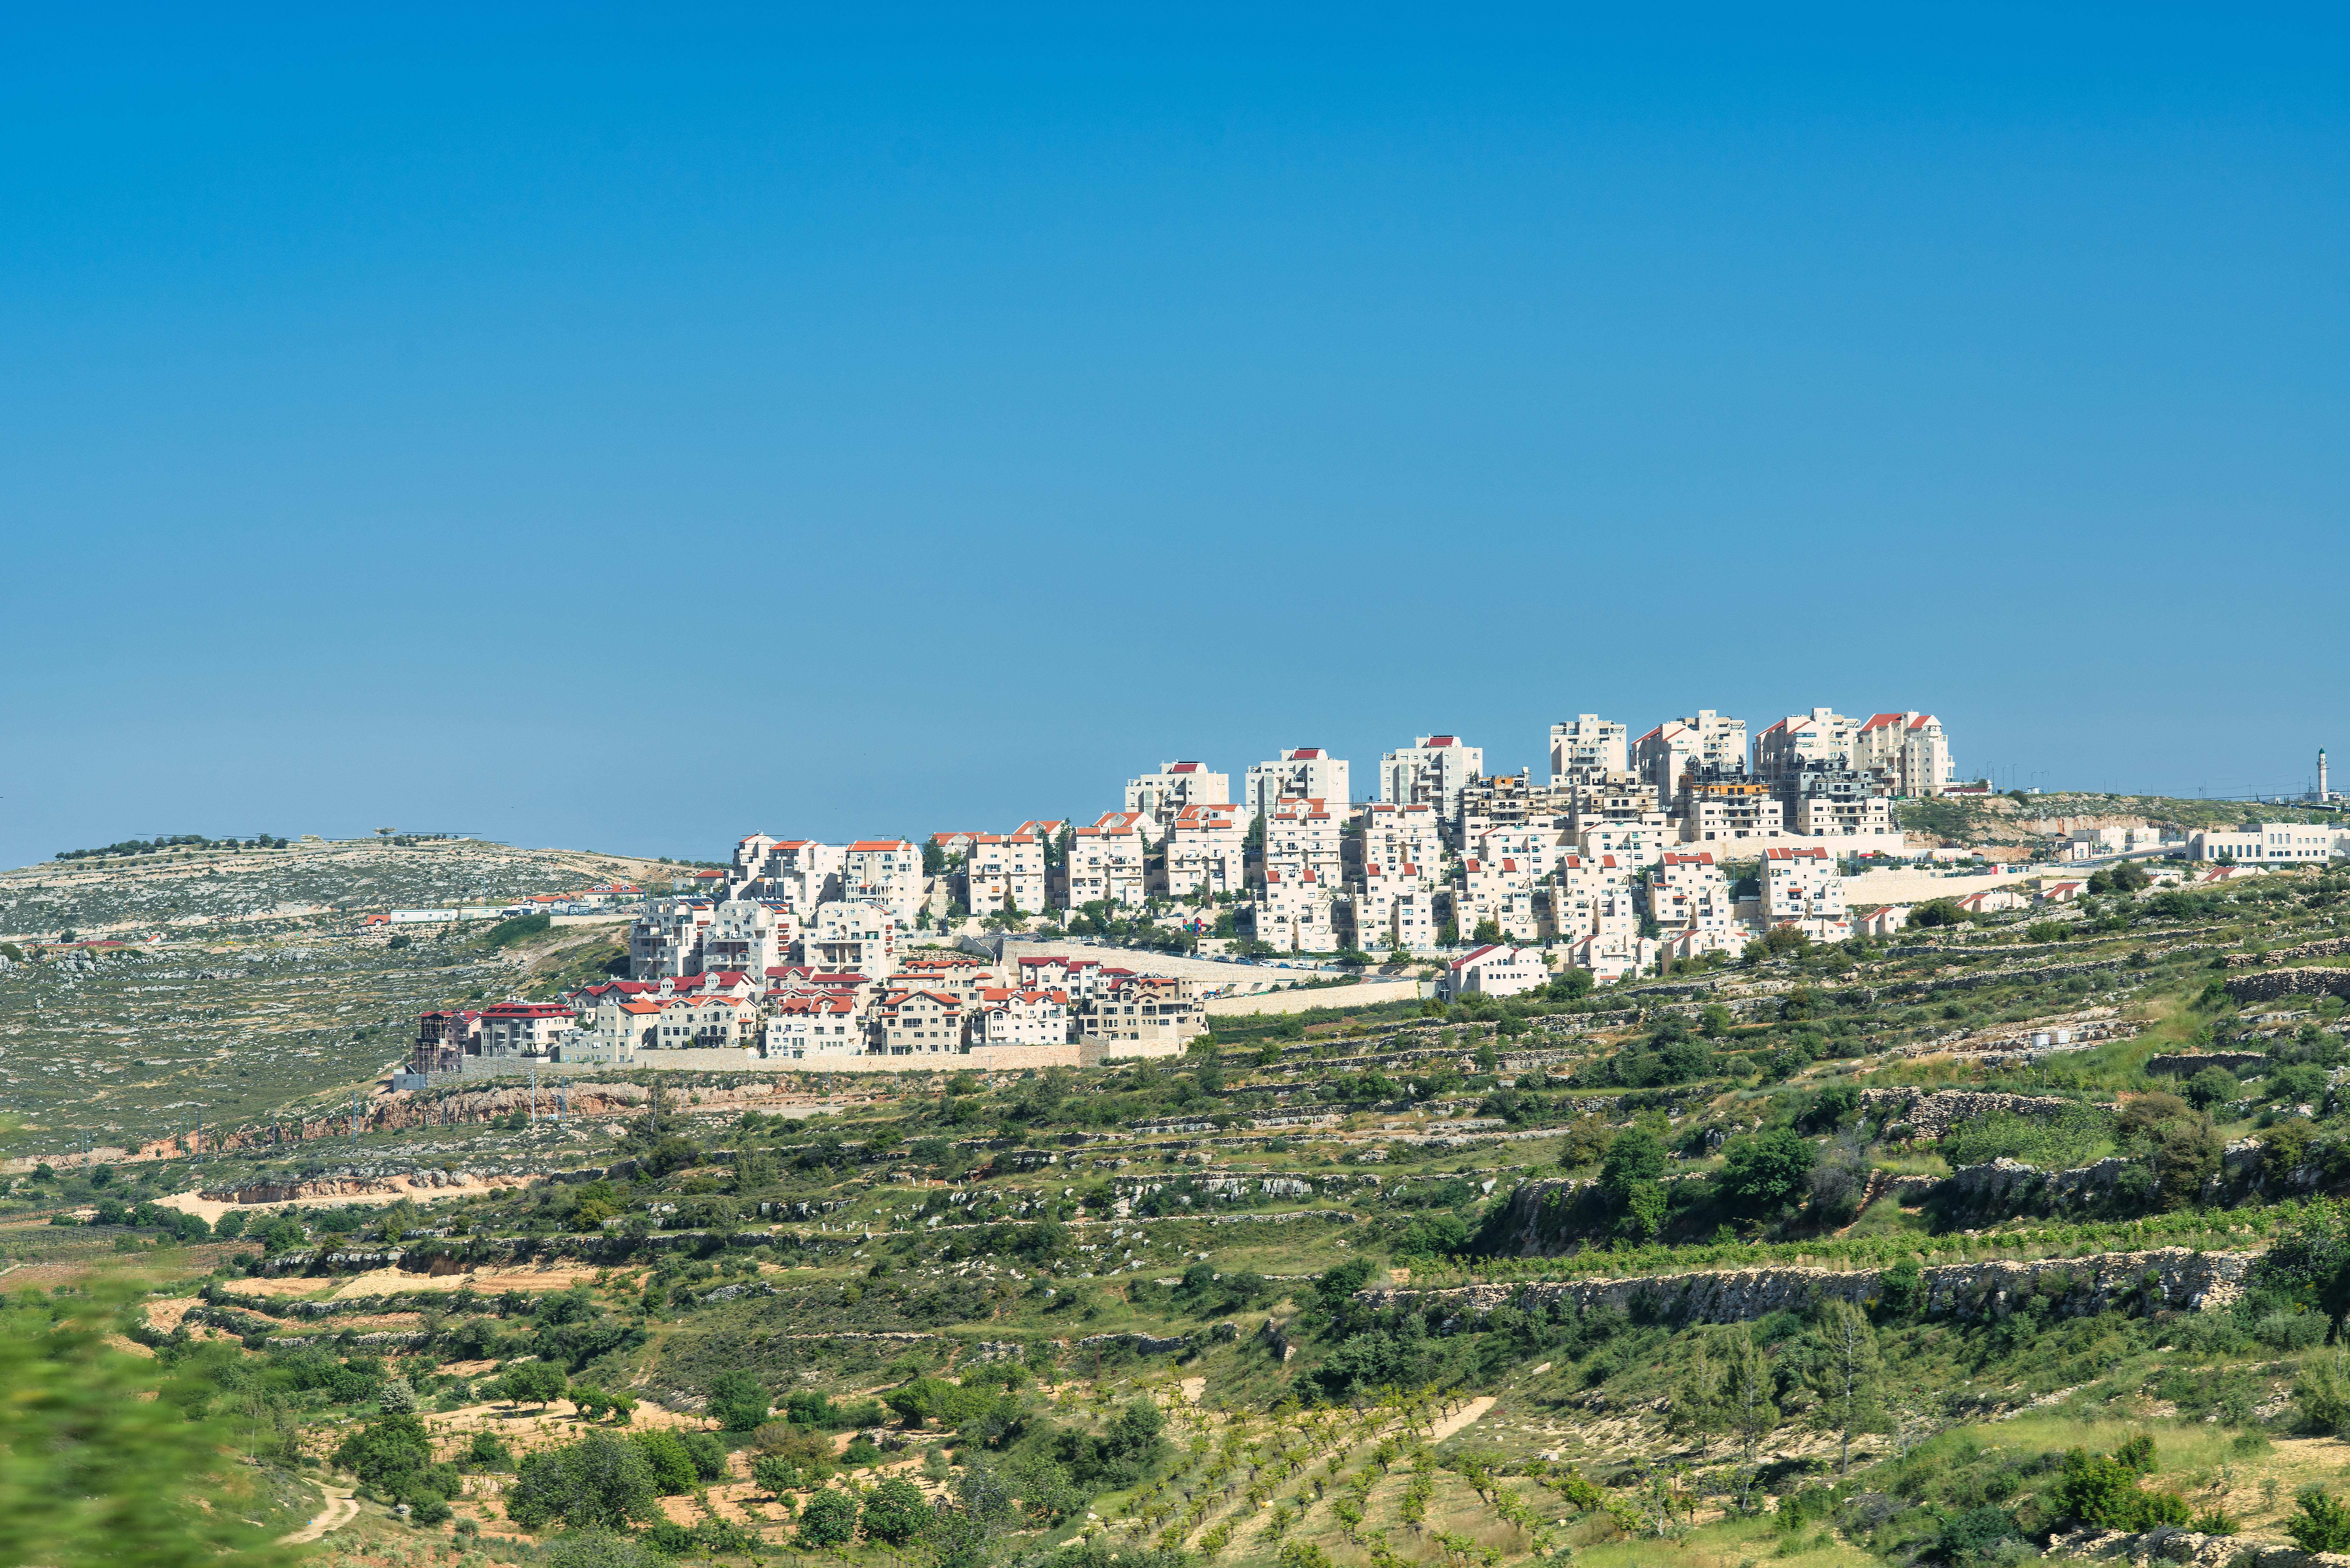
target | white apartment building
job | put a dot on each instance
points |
(1596, 896)
(2089, 843)
(850, 936)
(1294, 913)
(799, 1027)
(1143, 1015)
(1800, 886)
(1307, 772)
(1502, 891)
(1106, 861)
(1080, 979)
(1614, 958)
(1496, 970)
(748, 937)
(1400, 835)
(1728, 810)
(1703, 740)
(887, 872)
(665, 939)
(1909, 749)
(1614, 797)
(961, 976)
(614, 1033)
(1837, 803)
(1175, 785)
(1820, 738)
(1306, 836)
(918, 1024)
(1393, 904)
(1536, 849)
(1432, 771)
(1008, 1017)
(1588, 746)
(751, 855)
(2273, 843)
(1207, 847)
(1686, 891)
(1634, 844)
(1001, 868)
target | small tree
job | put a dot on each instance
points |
(1846, 1377)
(1748, 1394)
(537, 1383)
(829, 1519)
(1697, 1411)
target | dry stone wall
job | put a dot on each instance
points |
(2181, 1280)
(1933, 1115)
(2330, 947)
(2270, 984)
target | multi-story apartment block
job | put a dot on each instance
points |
(1306, 773)
(1207, 849)
(1496, 970)
(1633, 844)
(918, 1024)
(1008, 1017)
(613, 1032)
(1703, 740)
(1294, 911)
(1080, 979)
(1726, 807)
(1432, 771)
(2089, 843)
(1143, 1015)
(1106, 861)
(665, 939)
(526, 1029)
(1306, 836)
(1159, 795)
(798, 873)
(1513, 799)
(1594, 895)
(1400, 835)
(1614, 958)
(1909, 749)
(1003, 871)
(748, 937)
(886, 872)
(444, 1039)
(814, 1025)
(1834, 802)
(1502, 891)
(1686, 891)
(852, 936)
(1800, 886)
(1614, 797)
(1392, 904)
(706, 1022)
(961, 976)
(1820, 738)
(1587, 746)
(1535, 850)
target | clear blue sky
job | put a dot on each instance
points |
(631, 430)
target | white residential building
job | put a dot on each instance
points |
(1295, 911)
(1802, 887)
(665, 939)
(1502, 891)
(799, 873)
(1392, 904)
(1703, 740)
(887, 872)
(1105, 862)
(850, 936)
(1496, 970)
(1686, 891)
(1596, 895)
(2273, 843)
(1080, 979)
(2089, 843)
(1588, 746)
(1306, 836)
(1820, 738)
(1882, 920)
(748, 937)
(1614, 958)
(1008, 1017)
(814, 1025)
(1909, 749)
(615, 1031)
(1207, 847)
(1837, 802)
(1307, 772)
(1175, 785)
(1727, 810)
(1400, 835)
(1536, 849)
(1432, 771)
(1634, 844)
(918, 1024)
(1001, 868)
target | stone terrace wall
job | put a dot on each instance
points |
(2270, 984)
(1933, 1115)
(2184, 1279)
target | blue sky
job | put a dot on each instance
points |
(587, 426)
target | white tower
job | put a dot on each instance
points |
(2324, 796)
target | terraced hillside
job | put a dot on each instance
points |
(2001, 1240)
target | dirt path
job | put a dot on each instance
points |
(341, 1509)
(1467, 1417)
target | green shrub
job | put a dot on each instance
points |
(2323, 1524)
(827, 1519)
